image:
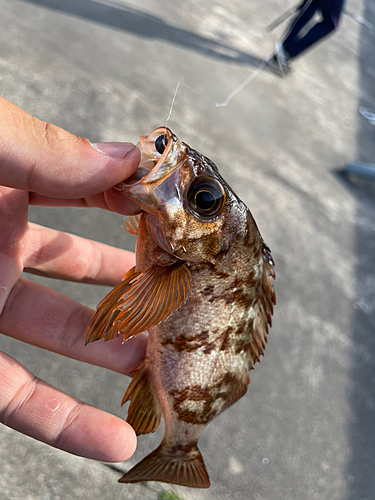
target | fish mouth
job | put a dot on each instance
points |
(135, 177)
(161, 154)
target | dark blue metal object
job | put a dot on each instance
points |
(360, 169)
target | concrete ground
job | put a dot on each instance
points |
(107, 71)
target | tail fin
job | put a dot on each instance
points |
(177, 466)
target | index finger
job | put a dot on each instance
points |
(40, 157)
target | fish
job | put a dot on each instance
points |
(203, 288)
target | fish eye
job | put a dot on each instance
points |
(161, 143)
(206, 198)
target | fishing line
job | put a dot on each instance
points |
(225, 103)
(252, 75)
(181, 82)
(173, 100)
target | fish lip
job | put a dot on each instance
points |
(135, 177)
(154, 167)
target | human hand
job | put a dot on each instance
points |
(41, 164)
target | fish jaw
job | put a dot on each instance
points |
(155, 186)
(154, 168)
(149, 155)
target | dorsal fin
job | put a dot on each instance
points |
(141, 301)
(263, 309)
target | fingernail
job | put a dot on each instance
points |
(114, 149)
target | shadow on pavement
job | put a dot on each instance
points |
(126, 18)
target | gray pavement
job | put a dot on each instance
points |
(108, 71)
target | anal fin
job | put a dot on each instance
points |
(144, 414)
(238, 391)
(175, 466)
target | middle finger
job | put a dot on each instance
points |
(112, 200)
(65, 256)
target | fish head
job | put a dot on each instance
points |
(193, 213)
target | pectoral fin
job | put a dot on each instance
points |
(144, 414)
(141, 301)
(131, 223)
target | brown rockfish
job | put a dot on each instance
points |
(202, 288)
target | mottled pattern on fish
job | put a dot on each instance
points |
(202, 286)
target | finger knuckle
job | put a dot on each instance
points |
(62, 435)
(17, 401)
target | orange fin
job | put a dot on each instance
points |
(141, 301)
(177, 466)
(131, 223)
(105, 310)
(144, 414)
(238, 391)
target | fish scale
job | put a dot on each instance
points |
(202, 285)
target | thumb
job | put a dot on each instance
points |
(40, 157)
